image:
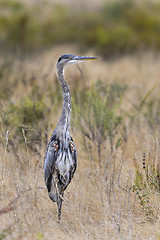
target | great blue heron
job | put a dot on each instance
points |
(61, 155)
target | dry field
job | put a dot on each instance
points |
(100, 202)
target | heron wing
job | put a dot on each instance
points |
(51, 171)
(50, 159)
(74, 157)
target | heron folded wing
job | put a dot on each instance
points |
(50, 158)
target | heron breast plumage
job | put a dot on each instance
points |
(60, 163)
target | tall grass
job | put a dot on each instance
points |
(116, 199)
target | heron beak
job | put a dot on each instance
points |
(78, 59)
(83, 58)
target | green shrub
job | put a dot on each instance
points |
(96, 118)
(152, 113)
(3, 234)
(147, 181)
(116, 9)
(27, 112)
(27, 120)
(5, 71)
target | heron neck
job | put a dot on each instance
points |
(64, 121)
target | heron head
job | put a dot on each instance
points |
(68, 59)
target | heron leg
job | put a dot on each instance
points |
(59, 205)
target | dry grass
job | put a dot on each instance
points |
(99, 203)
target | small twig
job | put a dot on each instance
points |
(7, 140)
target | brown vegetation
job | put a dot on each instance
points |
(118, 199)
